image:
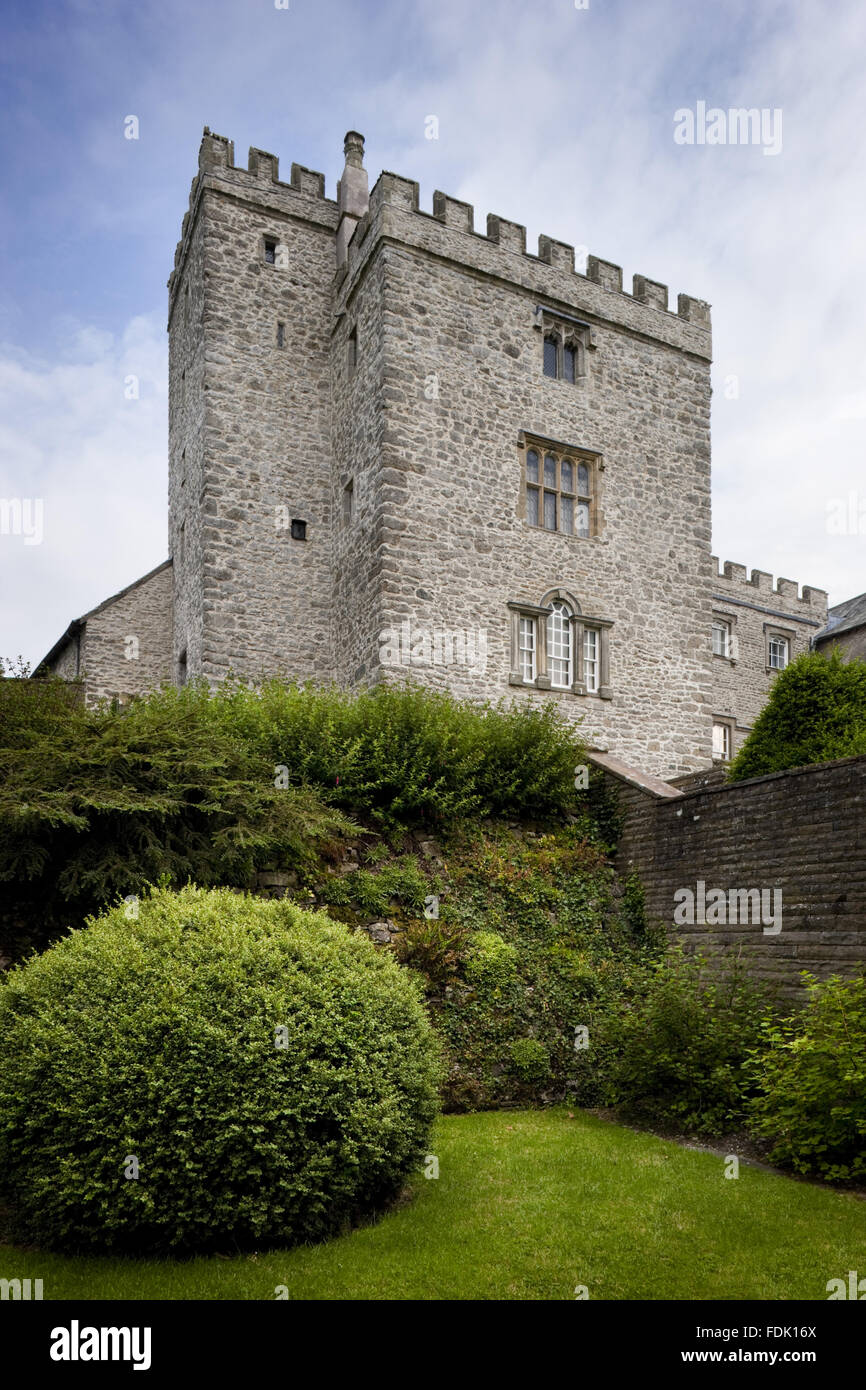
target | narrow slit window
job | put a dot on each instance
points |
(352, 350)
(348, 501)
(270, 251)
(281, 335)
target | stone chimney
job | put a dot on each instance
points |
(353, 193)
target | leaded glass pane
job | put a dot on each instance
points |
(568, 363)
(532, 505)
(532, 466)
(549, 470)
(582, 519)
(566, 515)
(550, 357)
(566, 472)
(583, 479)
(550, 511)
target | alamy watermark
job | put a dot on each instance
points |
(716, 907)
(439, 646)
(739, 125)
(22, 516)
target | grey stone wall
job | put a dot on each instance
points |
(256, 424)
(754, 607)
(801, 832)
(123, 647)
(452, 546)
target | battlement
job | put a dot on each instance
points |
(735, 578)
(394, 191)
(217, 156)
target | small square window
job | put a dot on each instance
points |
(299, 530)
(778, 653)
(270, 251)
(721, 637)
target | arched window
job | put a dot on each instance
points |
(559, 645)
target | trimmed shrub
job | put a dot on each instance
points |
(273, 1076)
(811, 1082)
(679, 1053)
(816, 712)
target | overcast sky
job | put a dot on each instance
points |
(556, 116)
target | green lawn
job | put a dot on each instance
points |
(528, 1205)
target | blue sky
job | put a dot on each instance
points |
(558, 117)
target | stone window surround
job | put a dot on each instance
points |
(593, 460)
(729, 722)
(280, 261)
(730, 621)
(579, 621)
(787, 634)
(568, 332)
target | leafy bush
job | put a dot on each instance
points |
(816, 712)
(95, 803)
(159, 1039)
(811, 1081)
(530, 1060)
(434, 948)
(404, 755)
(210, 786)
(679, 1053)
(491, 964)
(537, 946)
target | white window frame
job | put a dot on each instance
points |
(725, 728)
(724, 626)
(555, 665)
(560, 645)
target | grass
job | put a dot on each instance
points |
(527, 1206)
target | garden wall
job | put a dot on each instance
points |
(800, 836)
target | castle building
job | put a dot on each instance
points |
(402, 447)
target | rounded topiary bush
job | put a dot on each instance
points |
(268, 1076)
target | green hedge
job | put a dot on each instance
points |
(159, 1039)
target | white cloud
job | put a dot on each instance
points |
(70, 436)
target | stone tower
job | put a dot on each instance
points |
(396, 444)
(400, 446)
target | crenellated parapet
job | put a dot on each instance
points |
(260, 179)
(500, 249)
(735, 580)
